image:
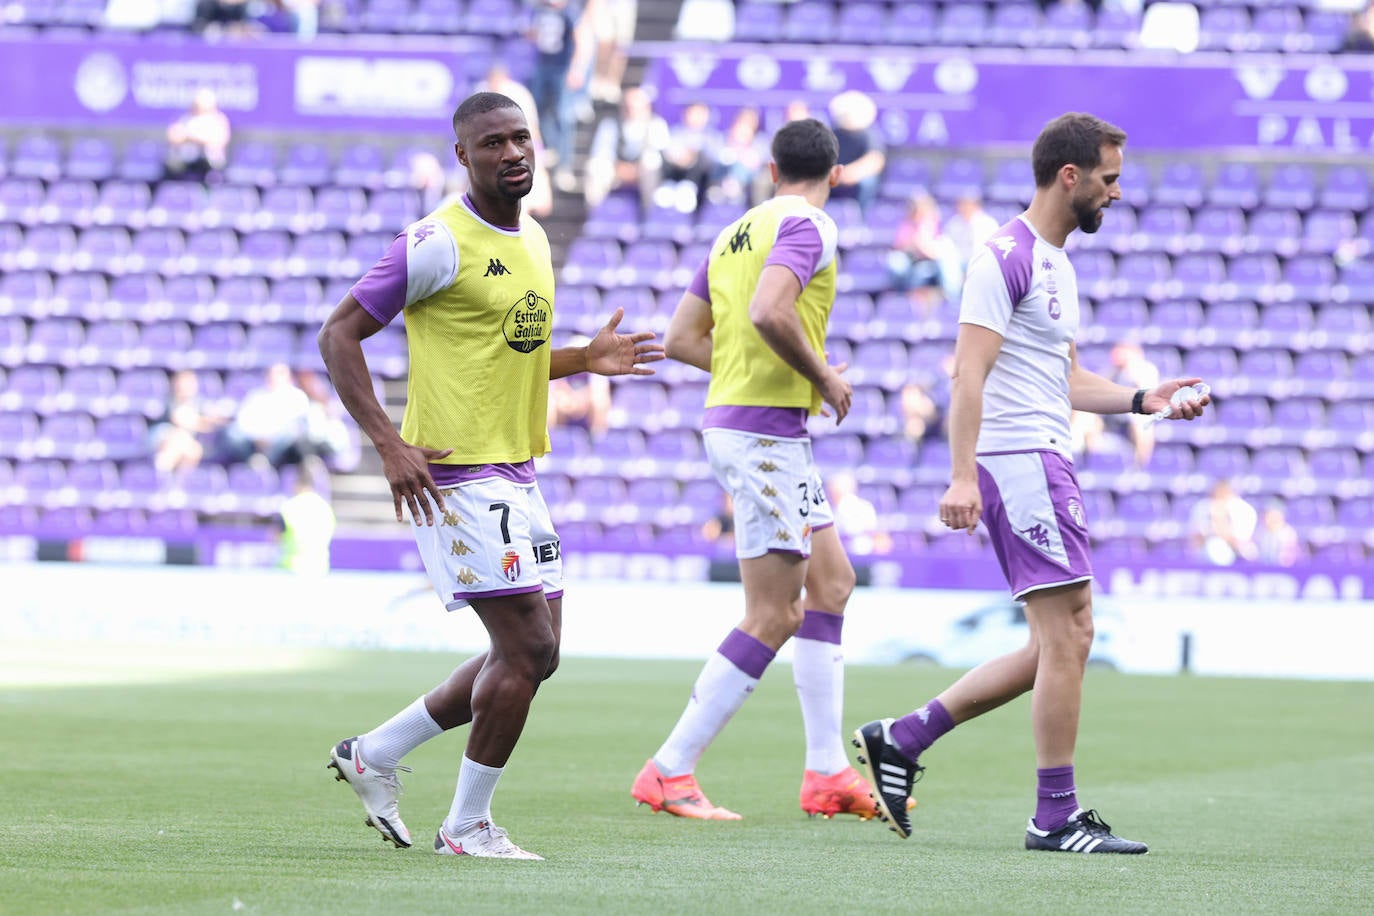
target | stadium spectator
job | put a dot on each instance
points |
(1131, 368)
(1017, 380)
(689, 160)
(305, 526)
(742, 162)
(966, 230)
(428, 178)
(853, 115)
(1222, 526)
(613, 26)
(581, 400)
(856, 518)
(462, 463)
(539, 203)
(562, 56)
(758, 326)
(627, 150)
(177, 434)
(920, 260)
(1360, 36)
(229, 16)
(270, 421)
(299, 17)
(198, 141)
(719, 529)
(920, 414)
(326, 435)
(1276, 541)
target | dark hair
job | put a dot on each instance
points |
(805, 150)
(1072, 139)
(479, 103)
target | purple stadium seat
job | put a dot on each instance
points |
(89, 388)
(211, 250)
(1176, 320)
(235, 205)
(125, 436)
(1218, 462)
(71, 201)
(1266, 366)
(142, 161)
(14, 334)
(164, 340)
(21, 199)
(37, 156)
(905, 175)
(1345, 187)
(364, 250)
(960, 177)
(437, 17)
(265, 251)
(1139, 272)
(321, 254)
(599, 497)
(668, 223)
(1228, 320)
(22, 288)
(1356, 513)
(621, 444)
(616, 217)
(1236, 184)
(338, 207)
(93, 480)
(55, 341)
(580, 535)
(271, 343)
(1179, 182)
(1196, 274)
(860, 23)
(569, 442)
(1067, 25)
(123, 203)
(1170, 458)
(121, 522)
(592, 261)
(838, 450)
(134, 296)
(65, 520)
(286, 206)
(1254, 275)
(1274, 230)
(493, 17)
(41, 479)
(384, 16)
(1291, 185)
(758, 20)
(1334, 466)
(392, 209)
(810, 22)
(1317, 370)
(360, 165)
(1299, 414)
(1344, 321)
(48, 248)
(676, 445)
(156, 249)
(219, 344)
(176, 203)
(1121, 317)
(1249, 413)
(909, 24)
(1224, 29)
(893, 452)
(1277, 29)
(1309, 513)
(1357, 278)
(1163, 227)
(172, 523)
(252, 162)
(1326, 230)
(1219, 229)
(68, 436)
(1310, 276)
(242, 296)
(1013, 25)
(142, 391)
(91, 158)
(18, 430)
(962, 24)
(307, 164)
(1284, 320)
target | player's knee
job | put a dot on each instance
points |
(553, 665)
(832, 594)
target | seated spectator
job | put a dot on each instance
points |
(720, 528)
(921, 257)
(856, 519)
(581, 400)
(198, 141)
(742, 162)
(1276, 542)
(270, 422)
(1222, 526)
(969, 227)
(627, 150)
(852, 116)
(1130, 367)
(1090, 436)
(689, 160)
(919, 412)
(326, 433)
(305, 527)
(176, 435)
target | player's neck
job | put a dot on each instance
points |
(1051, 220)
(816, 194)
(495, 210)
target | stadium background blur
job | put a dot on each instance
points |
(1241, 253)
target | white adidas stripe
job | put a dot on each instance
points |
(1078, 847)
(1093, 845)
(1071, 840)
(892, 768)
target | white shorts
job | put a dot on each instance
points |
(493, 538)
(777, 491)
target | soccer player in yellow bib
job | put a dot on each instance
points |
(475, 282)
(755, 317)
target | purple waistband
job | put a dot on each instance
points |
(448, 475)
(783, 422)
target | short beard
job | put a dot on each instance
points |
(1086, 216)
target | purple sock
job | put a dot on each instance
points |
(1058, 798)
(918, 730)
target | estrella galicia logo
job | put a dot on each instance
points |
(528, 323)
(1037, 535)
(740, 240)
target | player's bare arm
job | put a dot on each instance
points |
(689, 337)
(773, 311)
(1093, 393)
(406, 466)
(975, 351)
(608, 353)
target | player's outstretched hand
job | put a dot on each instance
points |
(962, 505)
(610, 353)
(1159, 398)
(407, 470)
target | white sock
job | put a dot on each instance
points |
(386, 744)
(718, 694)
(472, 799)
(818, 672)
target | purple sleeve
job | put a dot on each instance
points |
(798, 247)
(1014, 246)
(701, 284)
(382, 290)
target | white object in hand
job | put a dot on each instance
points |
(1180, 397)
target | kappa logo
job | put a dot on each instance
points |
(496, 269)
(1005, 244)
(774, 513)
(452, 518)
(783, 536)
(459, 549)
(767, 467)
(768, 490)
(765, 443)
(1037, 535)
(510, 566)
(467, 576)
(423, 232)
(1047, 265)
(740, 240)
(924, 715)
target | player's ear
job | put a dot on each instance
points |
(462, 154)
(836, 171)
(773, 171)
(1070, 174)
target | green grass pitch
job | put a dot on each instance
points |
(180, 781)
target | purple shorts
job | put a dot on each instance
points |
(1034, 513)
